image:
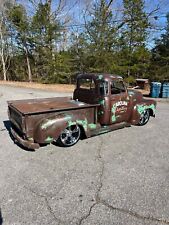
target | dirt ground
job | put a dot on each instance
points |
(50, 87)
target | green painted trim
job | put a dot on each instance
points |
(84, 123)
(141, 108)
(113, 110)
(70, 123)
(30, 139)
(49, 139)
(100, 77)
(101, 113)
(92, 125)
(102, 102)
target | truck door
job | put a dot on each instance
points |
(119, 102)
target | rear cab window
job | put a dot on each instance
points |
(86, 84)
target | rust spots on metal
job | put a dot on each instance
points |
(94, 109)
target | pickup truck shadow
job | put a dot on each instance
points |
(1, 219)
(7, 125)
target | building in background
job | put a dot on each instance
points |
(143, 84)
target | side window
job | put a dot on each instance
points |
(103, 88)
(87, 84)
(117, 87)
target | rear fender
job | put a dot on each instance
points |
(50, 128)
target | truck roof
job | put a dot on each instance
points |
(99, 76)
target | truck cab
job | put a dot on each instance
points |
(116, 102)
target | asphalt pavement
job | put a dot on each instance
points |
(118, 178)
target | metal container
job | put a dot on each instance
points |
(165, 90)
(155, 89)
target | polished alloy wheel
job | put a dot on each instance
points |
(70, 136)
(144, 118)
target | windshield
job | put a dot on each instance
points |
(117, 87)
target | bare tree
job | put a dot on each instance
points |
(4, 53)
(4, 57)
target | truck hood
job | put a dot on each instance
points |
(137, 97)
(135, 94)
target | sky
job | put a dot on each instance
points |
(73, 11)
(158, 18)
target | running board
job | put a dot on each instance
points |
(105, 129)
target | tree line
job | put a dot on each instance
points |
(41, 46)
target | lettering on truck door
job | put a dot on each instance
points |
(119, 102)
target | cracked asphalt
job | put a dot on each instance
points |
(118, 178)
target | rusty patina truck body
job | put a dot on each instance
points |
(100, 103)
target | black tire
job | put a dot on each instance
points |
(70, 136)
(144, 117)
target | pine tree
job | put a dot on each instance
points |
(133, 38)
(101, 38)
(46, 31)
(21, 25)
(160, 56)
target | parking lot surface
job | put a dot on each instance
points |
(118, 178)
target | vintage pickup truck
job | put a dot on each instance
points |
(100, 103)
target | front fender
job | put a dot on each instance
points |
(50, 128)
(139, 108)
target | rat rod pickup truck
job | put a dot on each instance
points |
(100, 103)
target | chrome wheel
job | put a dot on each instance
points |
(144, 118)
(70, 136)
